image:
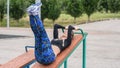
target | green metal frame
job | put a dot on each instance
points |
(84, 34)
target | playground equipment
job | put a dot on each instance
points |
(27, 59)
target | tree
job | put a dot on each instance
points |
(64, 4)
(103, 5)
(114, 5)
(17, 9)
(29, 2)
(44, 10)
(75, 9)
(90, 6)
(53, 10)
(2, 9)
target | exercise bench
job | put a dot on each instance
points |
(79, 37)
(27, 59)
(21, 61)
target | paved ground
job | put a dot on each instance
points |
(103, 44)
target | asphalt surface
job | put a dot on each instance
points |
(103, 44)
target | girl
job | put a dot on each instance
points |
(46, 50)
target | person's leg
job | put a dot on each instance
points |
(55, 31)
(33, 25)
(43, 49)
(43, 52)
(41, 30)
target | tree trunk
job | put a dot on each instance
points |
(1, 17)
(17, 22)
(42, 20)
(74, 20)
(88, 19)
(53, 23)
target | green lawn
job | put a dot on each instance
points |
(64, 19)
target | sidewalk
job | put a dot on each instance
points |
(103, 44)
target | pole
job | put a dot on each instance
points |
(39, 1)
(84, 54)
(8, 3)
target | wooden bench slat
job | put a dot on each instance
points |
(20, 61)
(62, 55)
(27, 57)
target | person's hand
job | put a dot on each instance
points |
(76, 27)
(64, 36)
(66, 27)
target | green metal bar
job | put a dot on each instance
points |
(63, 30)
(84, 54)
(27, 67)
(81, 31)
(85, 34)
(65, 64)
(29, 64)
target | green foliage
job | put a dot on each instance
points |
(44, 9)
(17, 9)
(75, 8)
(103, 5)
(29, 2)
(53, 10)
(2, 9)
(64, 4)
(90, 6)
(114, 5)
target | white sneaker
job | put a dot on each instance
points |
(34, 9)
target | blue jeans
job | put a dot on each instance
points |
(43, 50)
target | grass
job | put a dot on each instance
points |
(64, 19)
(23, 22)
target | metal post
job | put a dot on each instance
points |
(84, 54)
(8, 3)
(39, 1)
(65, 64)
(27, 66)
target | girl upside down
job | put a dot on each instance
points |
(46, 50)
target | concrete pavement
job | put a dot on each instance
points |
(103, 44)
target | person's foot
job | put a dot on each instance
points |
(34, 9)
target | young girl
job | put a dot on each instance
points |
(46, 50)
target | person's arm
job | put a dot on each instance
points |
(76, 27)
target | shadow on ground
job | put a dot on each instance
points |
(5, 36)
